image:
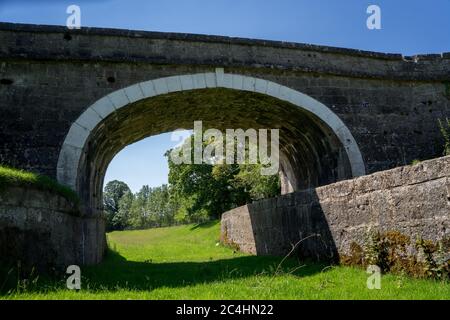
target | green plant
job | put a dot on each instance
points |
(395, 244)
(444, 127)
(356, 256)
(426, 249)
(372, 250)
(434, 258)
(442, 270)
(447, 89)
(390, 251)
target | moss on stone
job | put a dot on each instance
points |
(20, 178)
(447, 89)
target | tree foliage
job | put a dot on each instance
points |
(196, 193)
(113, 192)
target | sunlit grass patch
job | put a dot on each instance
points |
(21, 178)
(186, 262)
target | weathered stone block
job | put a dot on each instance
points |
(402, 200)
(44, 231)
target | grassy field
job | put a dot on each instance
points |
(185, 262)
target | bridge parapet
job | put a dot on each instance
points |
(41, 42)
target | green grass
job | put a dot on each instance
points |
(20, 178)
(185, 262)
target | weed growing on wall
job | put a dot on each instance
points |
(444, 127)
(391, 251)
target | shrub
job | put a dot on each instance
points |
(356, 256)
(389, 251)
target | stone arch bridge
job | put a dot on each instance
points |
(72, 99)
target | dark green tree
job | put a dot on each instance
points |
(159, 207)
(138, 215)
(205, 191)
(254, 184)
(121, 219)
(113, 192)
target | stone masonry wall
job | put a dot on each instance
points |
(414, 200)
(44, 230)
(49, 76)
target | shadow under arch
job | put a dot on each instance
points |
(316, 147)
(117, 272)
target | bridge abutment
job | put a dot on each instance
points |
(42, 230)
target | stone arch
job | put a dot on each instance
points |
(71, 154)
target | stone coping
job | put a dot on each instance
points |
(6, 26)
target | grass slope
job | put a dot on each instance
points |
(185, 262)
(20, 178)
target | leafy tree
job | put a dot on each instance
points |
(122, 218)
(113, 192)
(159, 207)
(209, 190)
(256, 185)
(138, 217)
(150, 207)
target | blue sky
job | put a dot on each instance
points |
(142, 163)
(408, 27)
